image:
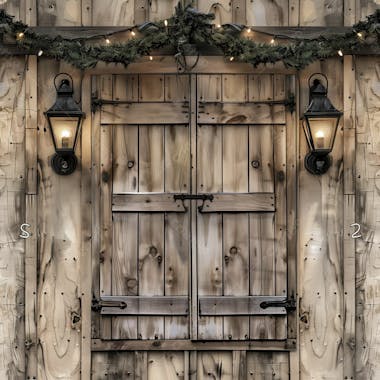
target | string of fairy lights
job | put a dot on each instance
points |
(188, 28)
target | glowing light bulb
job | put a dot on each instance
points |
(65, 138)
(20, 35)
(40, 52)
(249, 30)
(218, 26)
(166, 22)
(340, 52)
(272, 41)
(360, 34)
(150, 58)
(232, 58)
(320, 139)
(133, 33)
(108, 41)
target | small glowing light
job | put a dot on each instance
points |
(340, 53)
(232, 58)
(66, 133)
(133, 33)
(20, 35)
(249, 30)
(151, 58)
(166, 22)
(272, 41)
(360, 34)
(218, 26)
(319, 134)
(40, 52)
(108, 41)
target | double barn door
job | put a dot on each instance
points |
(193, 207)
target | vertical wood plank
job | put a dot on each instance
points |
(177, 179)
(320, 247)
(105, 208)
(318, 13)
(239, 12)
(264, 13)
(140, 11)
(86, 245)
(215, 365)
(209, 227)
(119, 12)
(239, 365)
(151, 88)
(124, 270)
(349, 338)
(161, 9)
(31, 211)
(267, 365)
(62, 13)
(165, 365)
(294, 12)
(280, 233)
(349, 12)
(222, 10)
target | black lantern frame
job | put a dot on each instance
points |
(317, 117)
(65, 109)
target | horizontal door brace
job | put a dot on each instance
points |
(245, 305)
(141, 305)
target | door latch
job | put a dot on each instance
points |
(97, 305)
(289, 304)
(202, 197)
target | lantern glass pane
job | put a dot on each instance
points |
(322, 131)
(64, 129)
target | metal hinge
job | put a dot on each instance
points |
(201, 197)
(289, 304)
(97, 305)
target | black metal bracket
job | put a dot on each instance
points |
(289, 304)
(201, 197)
(97, 305)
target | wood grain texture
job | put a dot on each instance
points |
(59, 248)
(62, 13)
(321, 13)
(114, 12)
(367, 205)
(12, 215)
(264, 13)
(320, 246)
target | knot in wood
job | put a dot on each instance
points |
(131, 164)
(255, 164)
(105, 177)
(280, 176)
(153, 250)
(234, 250)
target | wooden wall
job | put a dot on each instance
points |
(322, 223)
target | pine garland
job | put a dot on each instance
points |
(186, 29)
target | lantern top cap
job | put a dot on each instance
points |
(318, 89)
(65, 88)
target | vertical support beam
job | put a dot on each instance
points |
(349, 218)
(349, 12)
(86, 19)
(193, 241)
(239, 15)
(86, 246)
(294, 12)
(31, 203)
(141, 11)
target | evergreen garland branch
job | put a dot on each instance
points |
(189, 28)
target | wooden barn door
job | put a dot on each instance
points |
(193, 208)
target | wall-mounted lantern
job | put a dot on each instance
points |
(320, 125)
(64, 119)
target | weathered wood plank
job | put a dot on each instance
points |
(151, 263)
(120, 13)
(146, 305)
(239, 305)
(149, 202)
(240, 113)
(215, 365)
(267, 365)
(85, 281)
(263, 13)
(105, 254)
(318, 13)
(166, 366)
(145, 113)
(99, 345)
(62, 13)
(124, 269)
(240, 202)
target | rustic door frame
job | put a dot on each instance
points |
(89, 196)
